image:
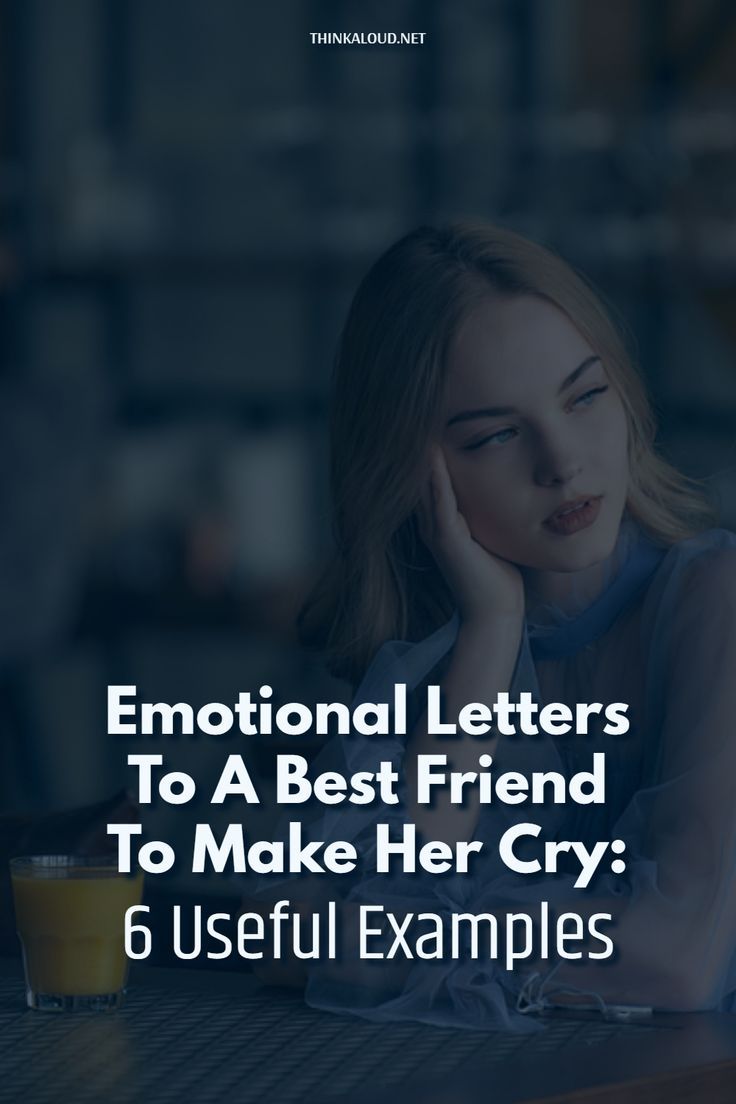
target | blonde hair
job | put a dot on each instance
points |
(387, 387)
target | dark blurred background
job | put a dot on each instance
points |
(190, 193)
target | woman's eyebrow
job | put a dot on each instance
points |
(500, 411)
(574, 376)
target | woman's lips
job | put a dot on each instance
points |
(574, 516)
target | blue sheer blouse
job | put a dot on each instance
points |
(661, 637)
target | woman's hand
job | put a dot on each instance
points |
(483, 584)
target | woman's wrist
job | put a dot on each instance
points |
(490, 622)
(486, 649)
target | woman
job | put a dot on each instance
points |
(504, 523)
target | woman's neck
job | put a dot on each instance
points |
(570, 592)
(567, 591)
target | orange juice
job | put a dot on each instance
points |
(71, 926)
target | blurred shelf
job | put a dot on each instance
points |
(255, 410)
(263, 269)
(647, 247)
(109, 610)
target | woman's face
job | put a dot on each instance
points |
(535, 436)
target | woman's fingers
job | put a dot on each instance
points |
(445, 503)
(479, 580)
(438, 516)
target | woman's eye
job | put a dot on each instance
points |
(498, 438)
(589, 397)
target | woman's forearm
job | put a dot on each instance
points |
(482, 666)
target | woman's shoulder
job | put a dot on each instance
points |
(689, 623)
(695, 586)
(704, 563)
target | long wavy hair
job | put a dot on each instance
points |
(387, 386)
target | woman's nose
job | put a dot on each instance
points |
(556, 466)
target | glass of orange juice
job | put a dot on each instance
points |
(70, 916)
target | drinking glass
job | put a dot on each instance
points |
(70, 917)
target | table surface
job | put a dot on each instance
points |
(184, 1036)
